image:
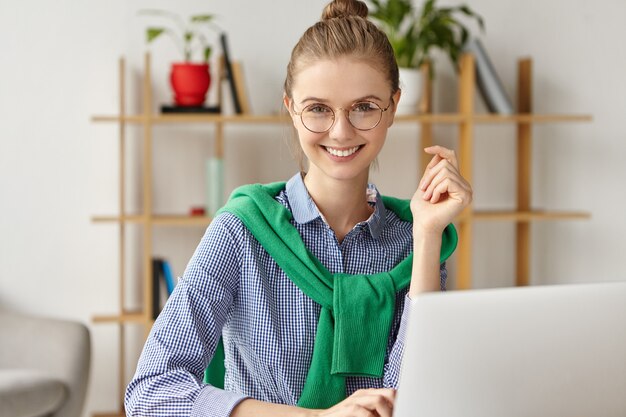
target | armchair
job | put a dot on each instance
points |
(44, 366)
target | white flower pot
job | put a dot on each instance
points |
(411, 86)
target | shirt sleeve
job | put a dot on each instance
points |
(169, 376)
(394, 362)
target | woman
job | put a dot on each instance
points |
(306, 281)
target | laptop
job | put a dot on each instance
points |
(545, 351)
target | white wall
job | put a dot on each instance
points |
(57, 169)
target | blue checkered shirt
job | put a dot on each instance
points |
(232, 287)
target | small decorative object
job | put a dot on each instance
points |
(189, 80)
(411, 83)
(414, 35)
(214, 185)
(197, 211)
(190, 83)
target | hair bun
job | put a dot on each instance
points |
(345, 8)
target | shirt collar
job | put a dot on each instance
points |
(304, 209)
(302, 206)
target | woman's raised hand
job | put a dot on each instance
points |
(442, 192)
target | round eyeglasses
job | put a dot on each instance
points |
(362, 115)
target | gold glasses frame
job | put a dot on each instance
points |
(344, 110)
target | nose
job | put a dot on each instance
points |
(341, 129)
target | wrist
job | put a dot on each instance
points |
(252, 407)
(426, 254)
(427, 233)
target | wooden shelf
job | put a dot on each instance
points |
(440, 118)
(128, 317)
(526, 216)
(192, 118)
(157, 220)
(479, 215)
(118, 414)
(172, 220)
(531, 118)
(119, 219)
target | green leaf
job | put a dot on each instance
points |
(470, 13)
(207, 53)
(202, 18)
(414, 35)
(188, 34)
(152, 33)
(428, 7)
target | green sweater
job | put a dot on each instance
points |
(356, 310)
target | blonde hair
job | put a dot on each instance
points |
(344, 30)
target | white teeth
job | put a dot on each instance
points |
(344, 153)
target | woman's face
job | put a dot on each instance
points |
(343, 152)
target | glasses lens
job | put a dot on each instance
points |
(365, 115)
(318, 117)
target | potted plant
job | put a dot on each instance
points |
(189, 80)
(413, 35)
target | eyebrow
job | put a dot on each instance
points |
(368, 97)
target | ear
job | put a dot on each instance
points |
(396, 99)
(287, 103)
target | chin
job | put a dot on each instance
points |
(347, 174)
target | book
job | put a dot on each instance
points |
(168, 277)
(240, 87)
(163, 284)
(157, 271)
(489, 84)
(229, 73)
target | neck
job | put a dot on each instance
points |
(342, 202)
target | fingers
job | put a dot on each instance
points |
(367, 403)
(445, 181)
(441, 168)
(382, 400)
(451, 188)
(440, 153)
(375, 402)
(442, 177)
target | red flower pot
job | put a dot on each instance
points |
(190, 83)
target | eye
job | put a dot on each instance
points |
(364, 107)
(318, 108)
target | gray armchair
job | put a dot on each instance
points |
(44, 366)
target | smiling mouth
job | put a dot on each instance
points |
(342, 152)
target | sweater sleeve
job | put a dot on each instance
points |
(169, 376)
(394, 363)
